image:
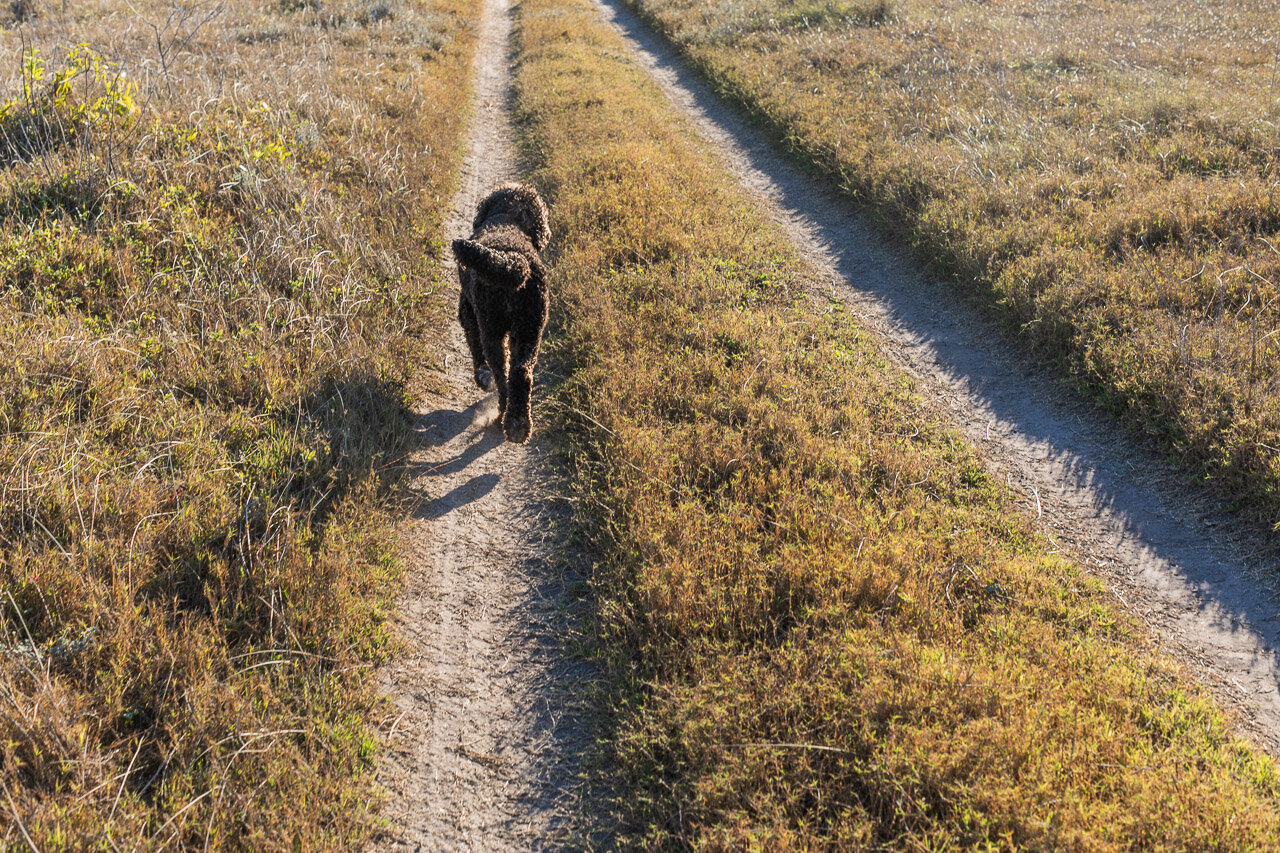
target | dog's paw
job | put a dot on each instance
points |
(484, 378)
(517, 429)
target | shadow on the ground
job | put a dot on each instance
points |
(444, 425)
(472, 490)
(441, 427)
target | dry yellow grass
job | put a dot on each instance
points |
(829, 629)
(219, 240)
(1103, 175)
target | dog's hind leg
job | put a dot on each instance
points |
(496, 354)
(471, 328)
(517, 423)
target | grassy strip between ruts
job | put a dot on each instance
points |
(1102, 175)
(219, 242)
(829, 628)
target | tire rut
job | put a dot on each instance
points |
(1165, 552)
(483, 751)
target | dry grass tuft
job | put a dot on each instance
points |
(220, 235)
(829, 628)
(1101, 175)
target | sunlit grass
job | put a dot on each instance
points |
(1101, 175)
(829, 628)
(218, 254)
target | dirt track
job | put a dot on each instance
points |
(1163, 552)
(483, 753)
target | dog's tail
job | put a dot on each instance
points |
(505, 268)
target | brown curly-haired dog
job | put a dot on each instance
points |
(503, 304)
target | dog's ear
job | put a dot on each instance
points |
(486, 207)
(537, 220)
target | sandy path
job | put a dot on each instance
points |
(483, 753)
(1163, 552)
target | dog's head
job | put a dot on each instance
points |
(522, 205)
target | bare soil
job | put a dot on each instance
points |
(485, 740)
(1205, 589)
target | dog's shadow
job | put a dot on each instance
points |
(472, 490)
(443, 426)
